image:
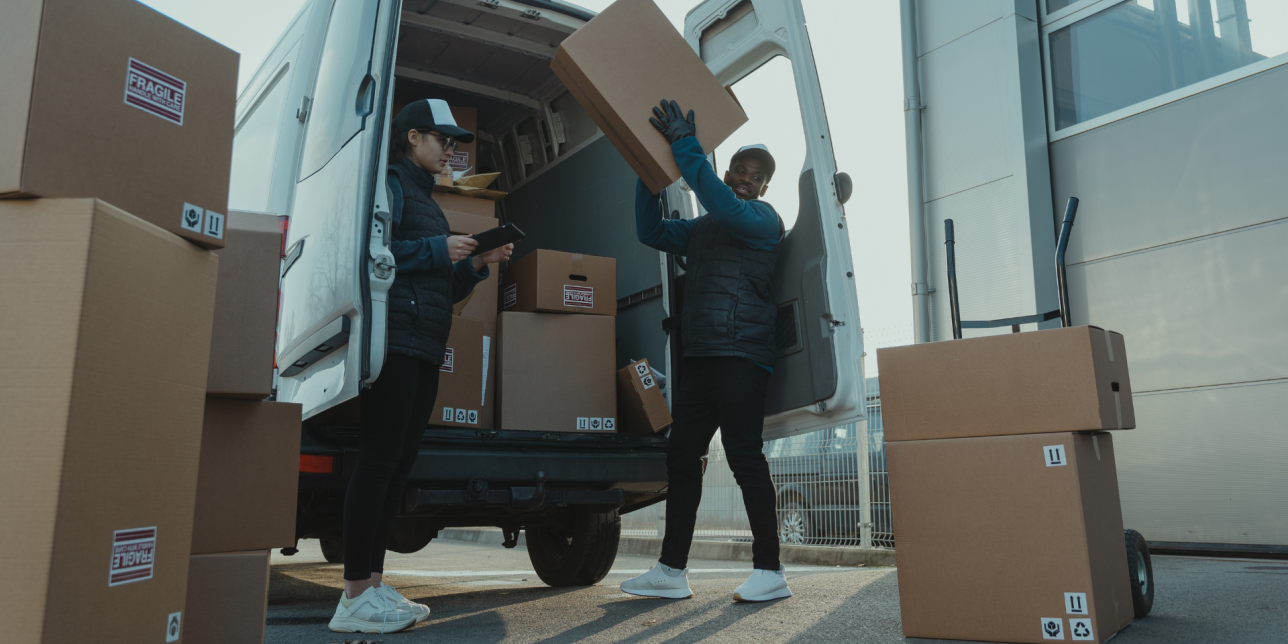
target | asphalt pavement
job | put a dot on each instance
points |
(488, 594)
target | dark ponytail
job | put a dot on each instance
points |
(399, 146)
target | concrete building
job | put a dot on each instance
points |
(1166, 118)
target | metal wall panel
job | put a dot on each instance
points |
(1178, 171)
(940, 22)
(1207, 465)
(990, 266)
(1203, 312)
(966, 122)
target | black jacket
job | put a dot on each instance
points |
(426, 283)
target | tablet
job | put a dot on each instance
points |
(496, 238)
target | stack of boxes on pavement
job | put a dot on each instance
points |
(143, 477)
(1003, 485)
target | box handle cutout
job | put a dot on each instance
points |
(1113, 386)
(577, 278)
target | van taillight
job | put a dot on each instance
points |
(312, 464)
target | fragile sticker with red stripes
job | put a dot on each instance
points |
(155, 91)
(133, 554)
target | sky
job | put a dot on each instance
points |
(857, 52)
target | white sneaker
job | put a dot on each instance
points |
(762, 586)
(371, 612)
(656, 583)
(421, 611)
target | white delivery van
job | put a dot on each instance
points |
(312, 130)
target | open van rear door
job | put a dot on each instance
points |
(818, 378)
(337, 268)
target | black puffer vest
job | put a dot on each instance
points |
(728, 309)
(420, 302)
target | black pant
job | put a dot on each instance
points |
(395, 411)
(729, 394)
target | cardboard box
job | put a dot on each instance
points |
(641, 408)
(619, 67)
(460, 378)
(113, 100)
(1001, 538)
(245, 330)
(466, 155)
(106, 324)
(553, 282)
(248, 478)
(481, 306)
(1059, 380)
(227, 598)
(555, 372)
(453, 202)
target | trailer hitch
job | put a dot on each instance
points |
(529, 498)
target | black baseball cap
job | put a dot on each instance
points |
(758, 152)
(431, 114)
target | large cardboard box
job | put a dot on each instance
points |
(460, 378)
(245, 330)
(555, 372)
(248, 478)
(622, 64)
(227, 598)
(641, 408)
(1009, 538)
(477, 206)
(550, 281)
(1060, 380)
(106, 333)
(112, 100)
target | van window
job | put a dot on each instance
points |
(768, 95)
(253, 147)
(346, 57)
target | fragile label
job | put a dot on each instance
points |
(596, 424)
(648, 381)
(610, 424)
(214, 225)
(511, 296)
(1052, 628)
(472, 417)
(582, 296)
(155, 91)
(460, 161)
(449, 357)
(1075, 603)
(172, 627)
(1080, 630)
(191, 217)
(1054, 455)
(133, 553)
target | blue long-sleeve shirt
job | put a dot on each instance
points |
(754, 223)
(430, 253)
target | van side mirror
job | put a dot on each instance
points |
(844, 187)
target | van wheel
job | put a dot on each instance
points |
(332, 549)
(579, 552)
(1140, 571)
(794, 527)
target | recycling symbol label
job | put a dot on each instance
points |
(1052, 628)
(610, 424)
(191, 218)
(172, 627)
(641, 368)
(1080, 629)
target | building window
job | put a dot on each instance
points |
(1137, 50)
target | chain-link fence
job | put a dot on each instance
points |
(831, 485)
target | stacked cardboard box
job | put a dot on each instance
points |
(555, 371)
(109, 311)
(470, 216)
(1003, 487)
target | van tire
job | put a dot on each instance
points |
(1140, 573)
(579, 552)
(332, 549)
